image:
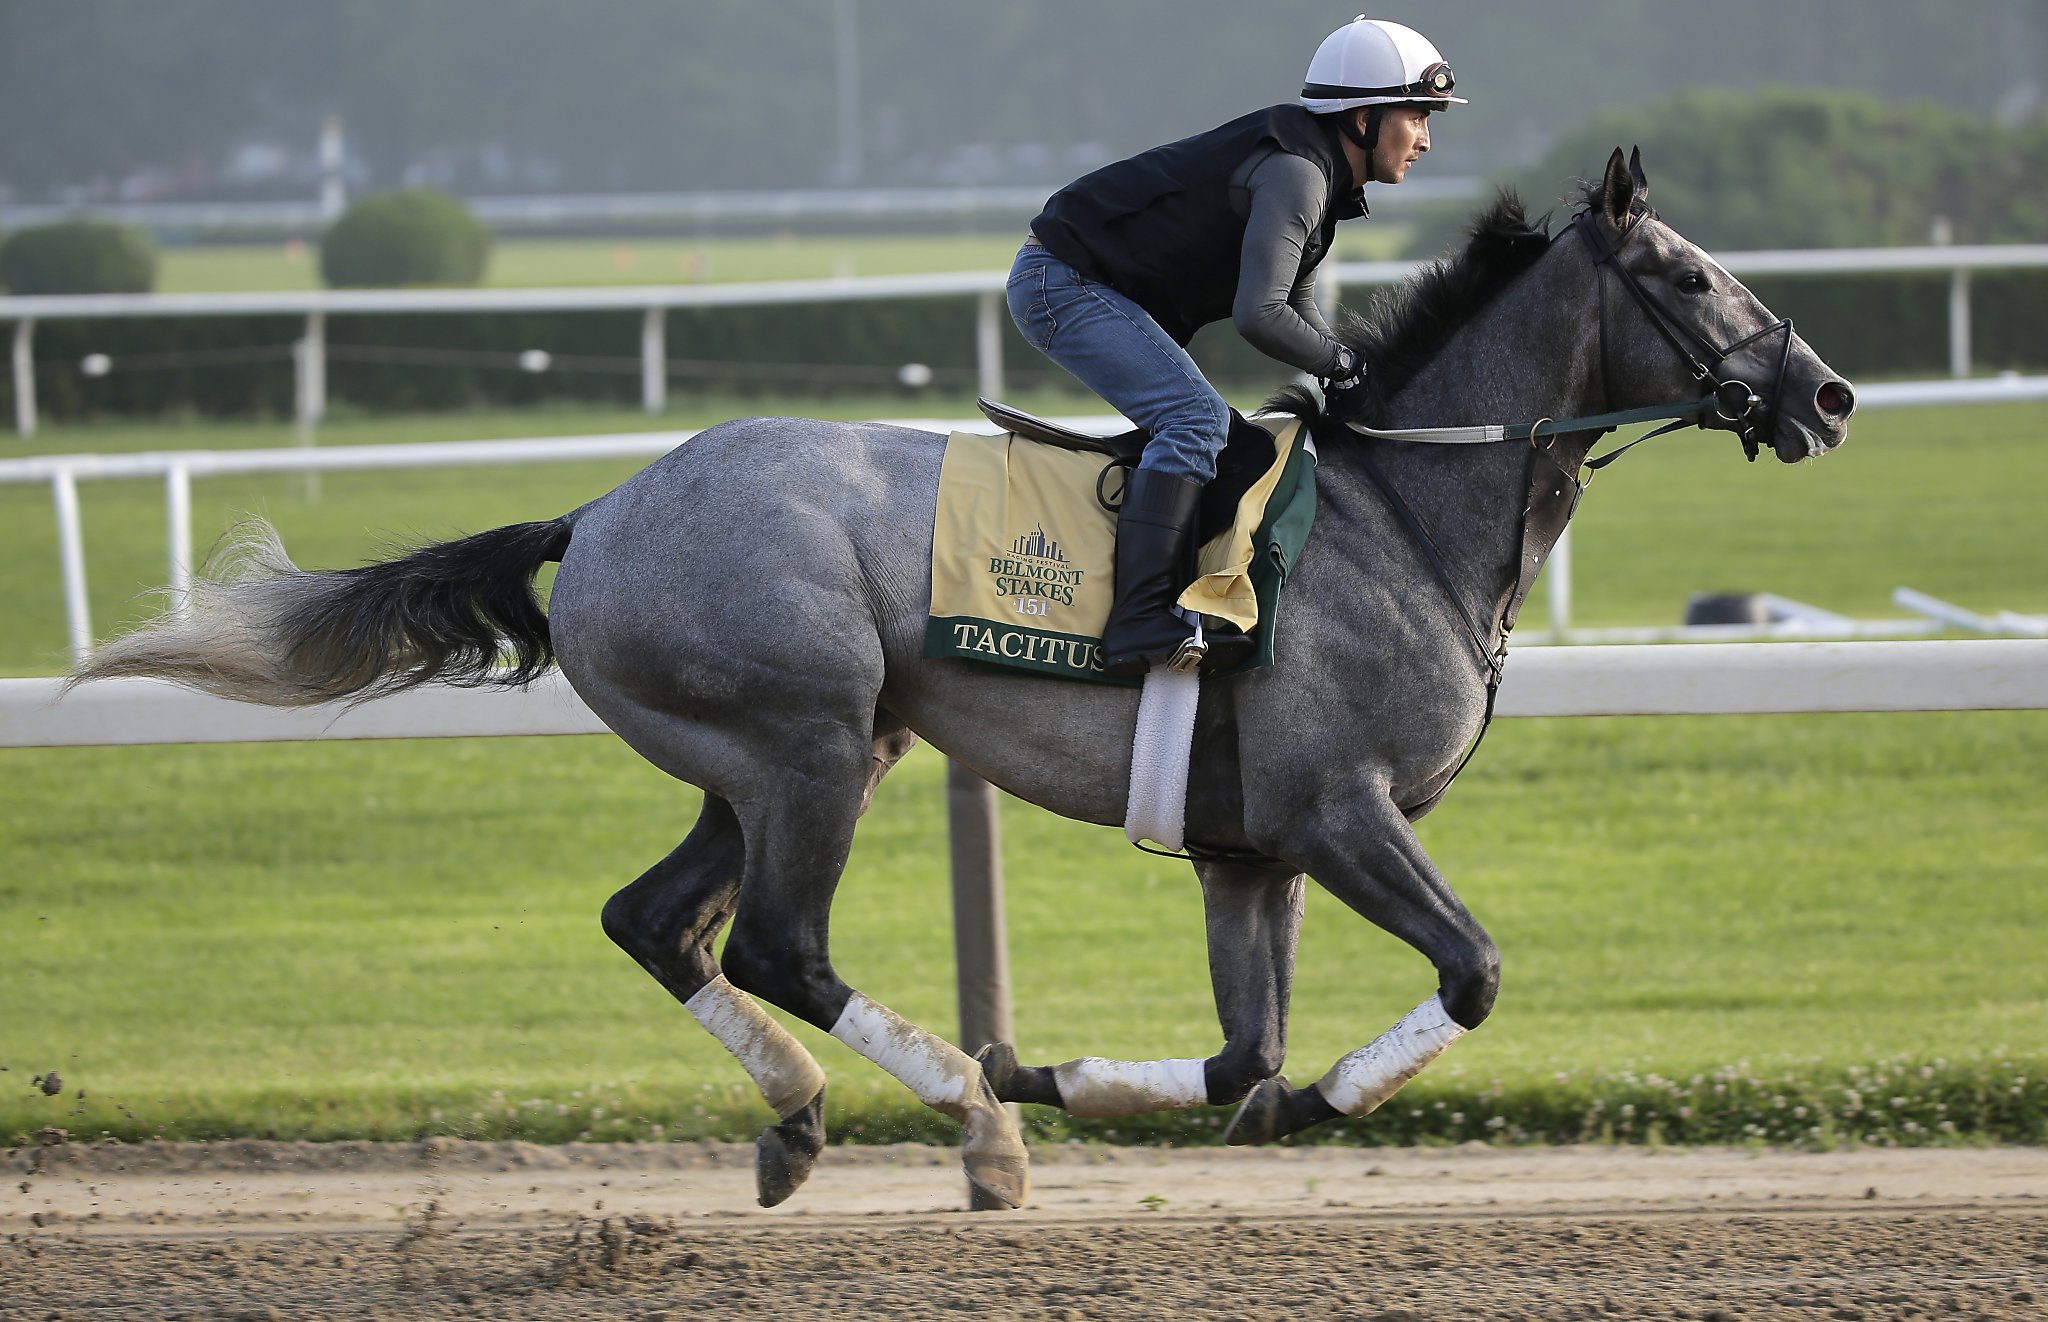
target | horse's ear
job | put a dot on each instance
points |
(1635, 172)
(1617, 192)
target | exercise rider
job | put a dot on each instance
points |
(1125, 264)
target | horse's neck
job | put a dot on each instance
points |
(1533, 353)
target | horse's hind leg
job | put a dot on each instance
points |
(799, 830)
(667, 921)
(1377, 867)
(1253, 917)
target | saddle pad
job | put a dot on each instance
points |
(1023, 552)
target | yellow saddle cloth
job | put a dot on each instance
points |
(1023, 552)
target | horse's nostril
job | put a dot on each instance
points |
(1835, 399)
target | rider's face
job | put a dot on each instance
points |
(1404, 137)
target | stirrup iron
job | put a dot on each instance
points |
(1190, 654)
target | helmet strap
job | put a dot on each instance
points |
(1367, 140)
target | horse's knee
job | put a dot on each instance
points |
(1237, 1069)
(1468, 985)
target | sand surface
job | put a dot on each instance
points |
(507, 1230)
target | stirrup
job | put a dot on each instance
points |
(1190, 654)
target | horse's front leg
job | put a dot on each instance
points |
(1253, 916)
(1374, 863)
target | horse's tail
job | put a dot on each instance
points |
(257, 628)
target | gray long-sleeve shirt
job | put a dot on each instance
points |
(1281, 196)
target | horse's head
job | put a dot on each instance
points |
(1676, 325)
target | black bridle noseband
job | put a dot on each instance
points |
(1736, 406)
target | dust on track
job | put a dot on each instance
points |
(506, 1230)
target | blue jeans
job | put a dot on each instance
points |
(1115, 348)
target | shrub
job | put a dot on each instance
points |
(78, 257)
(416, 237)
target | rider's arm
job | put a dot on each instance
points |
(1303, 300)
(1272, 311)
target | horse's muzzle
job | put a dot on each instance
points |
(1811, 431)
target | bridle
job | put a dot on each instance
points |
(1729, 405)
(1733, 405)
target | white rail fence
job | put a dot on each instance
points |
(654, 301)
(178, 469)
(1700, 680)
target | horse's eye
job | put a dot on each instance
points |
(1693, 282)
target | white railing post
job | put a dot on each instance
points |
(312, 372)
(654, 360)
(178, 528)
(309, 362)
(25, 376)
(1959, 322)
(1557, 584)
(988, 345)
(71, 554)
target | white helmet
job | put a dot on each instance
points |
(1373, 62)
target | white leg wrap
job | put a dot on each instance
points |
(949, 1081)
(1098, 1089)
(943, 1076)
(784, 1072)
(1357, 1084)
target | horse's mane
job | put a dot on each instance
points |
(1408, 325)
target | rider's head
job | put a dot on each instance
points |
(1379, 80)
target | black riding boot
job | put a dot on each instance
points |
(1155, 560)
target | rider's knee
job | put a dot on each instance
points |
(1237, 1070)
(1468, 987)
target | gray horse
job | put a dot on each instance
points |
(748, 613)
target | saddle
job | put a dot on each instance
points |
(1247, 453)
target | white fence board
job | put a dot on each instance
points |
(1701, 679)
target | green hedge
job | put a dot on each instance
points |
(414, 237)
(78, 257)
(1865, 326)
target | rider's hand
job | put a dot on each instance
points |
(1342, 387)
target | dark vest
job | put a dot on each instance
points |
(1159, 228)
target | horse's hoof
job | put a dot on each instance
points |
(1263, 1115)
(998, 1184)
(785, 1152)
(993, 1153)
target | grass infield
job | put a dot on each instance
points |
(523, 263)
(1803, 929)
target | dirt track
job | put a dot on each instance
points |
(514, 1231)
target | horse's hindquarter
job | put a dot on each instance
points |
(743, 582)
(773, 577)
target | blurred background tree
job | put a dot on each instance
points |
(1802, 169)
